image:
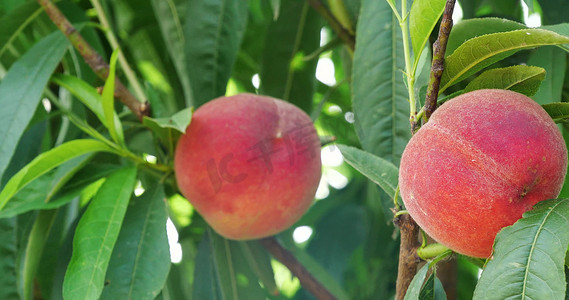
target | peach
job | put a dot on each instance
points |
(249, 164)
(482, 160)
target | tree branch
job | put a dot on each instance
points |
(93, 59)
(296, 268)
(408, 258)
(342, 32)
(437, 67)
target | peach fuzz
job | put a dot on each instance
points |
(483, 159)
(249, 164)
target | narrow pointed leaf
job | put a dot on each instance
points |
(423, 18)
(471, 28)
(375, 168)
(212, 33)
(21, 89)
(480, 52)
(414, 289)
(553, 60)
(222, 271)
(96, 235)
(379, 94)
(293, 36)
(108, 98)
(170, 15)
(39, 192)
(14, 22)
(88, 95)
(562, 29)
(557, 110)
(521, 79)
(141, 259)
(178, 122)
(34, 249)
(260, 263)
(528, 258)
(47, 161)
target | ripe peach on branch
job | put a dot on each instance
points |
(482, 160)
(249, 164)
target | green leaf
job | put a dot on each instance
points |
(260, 263)
(528, 258)
(178, 122)
(39, 192)
(96, 235)
(480, 52)
(379, 93)
(553, 60)
(8, 258)
(34, 249)
(558, 110)
(433, 289)
(47, 161)
(562, 29)
(88, 95)
(471, 28)
(377, 169)
(170, 15)
(423, 18)
(212, 33)
(15, 21)
(414, 289)
(284, 72)
(141, 259)
(521, 79)
(222, 271)
(21, 89)
(108, 98)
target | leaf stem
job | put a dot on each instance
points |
(306, 279)
(409, 72)
(93, 59)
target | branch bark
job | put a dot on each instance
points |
(408, 258)
(437, 67)
(93, 59)
(342, 32)
(296, 268)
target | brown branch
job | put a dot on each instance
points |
(342, 32)
(437, 68)
(93, 59)
(408, 259)
(296, 268)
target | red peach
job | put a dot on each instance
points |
(482, 160)
(249, 164)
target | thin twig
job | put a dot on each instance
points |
(342, 32)
(93, 59)
(296, 268)
(408, 258)
(437, 68)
